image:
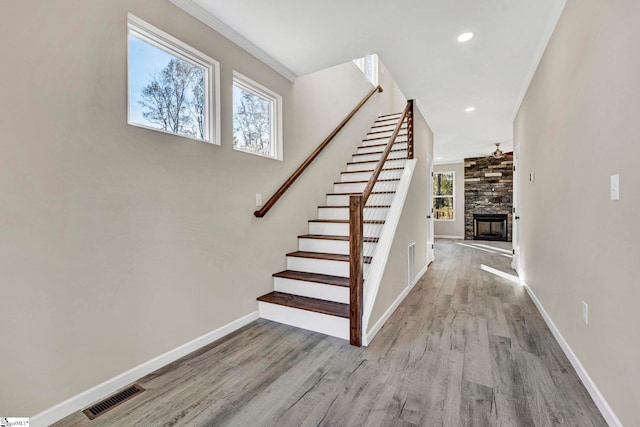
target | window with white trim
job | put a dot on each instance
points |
(257, 118)
(172, 87)
(444, 196)
(369, 67)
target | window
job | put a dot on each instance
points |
(369, 66)
(443, 196)
(257, 118)
(172, 87)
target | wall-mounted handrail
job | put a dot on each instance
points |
(272, 201)
(356, 234)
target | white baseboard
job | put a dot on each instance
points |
(368, 337)
(86, 398)
(594, 392)
(449, 237)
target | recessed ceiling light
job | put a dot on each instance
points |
(438, 158)
(469, 109)
(465, 37)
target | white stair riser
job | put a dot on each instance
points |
(319, 266)
(312, 289)
(369, 142)
(384, 134)
(343, 200)
(380, 127)
(358, 187)
(324, 246)
(343, 213)
(365, 176)
(371, 165)
(376, 156)
(309, 320)
(393, 117)
(342, 229)
(331, 246)
(372, 148)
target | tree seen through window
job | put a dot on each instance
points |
(443, 195)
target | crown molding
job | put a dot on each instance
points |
(217, 25)
(544, 41)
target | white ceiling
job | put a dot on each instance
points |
(416, 40)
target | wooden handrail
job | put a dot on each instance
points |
(356, 235)
(272, 201)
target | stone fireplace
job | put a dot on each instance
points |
(488, 198)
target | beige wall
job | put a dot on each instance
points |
(395, 101)
(120, 243)
(412, 227)
(578, 125)
(456, 227)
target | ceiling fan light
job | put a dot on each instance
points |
(498, 154)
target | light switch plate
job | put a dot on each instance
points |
(258, 199)
(615, 187)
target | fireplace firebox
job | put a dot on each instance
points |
(490, 227)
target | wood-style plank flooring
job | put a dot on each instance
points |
(465, 348)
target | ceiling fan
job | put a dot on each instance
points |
(498, 154)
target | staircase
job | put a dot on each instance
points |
(313, 292)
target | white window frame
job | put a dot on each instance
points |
(453, 195)
(246, 84)
(361, 64)
(160, 39)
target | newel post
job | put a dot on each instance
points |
(355, 269)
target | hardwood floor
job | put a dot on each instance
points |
(465, 348)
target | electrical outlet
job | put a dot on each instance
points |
(585, 313)
(258, 199)
(532, 177)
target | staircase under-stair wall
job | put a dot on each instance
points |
(314, 291)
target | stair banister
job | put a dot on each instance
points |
(374, 177)
(356, 220)
(296, 174)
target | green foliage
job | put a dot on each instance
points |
(443, 184)
(443, 195)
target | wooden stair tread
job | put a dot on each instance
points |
(384, 137)
(360, 182)
(375, 161)
(379, 126)
(322, 255)
(346, 221)
(314, 277)
(354, 194)
(371, 170)
(389, 115)
(305, 303)
(382, 145)
(345, 206)
(329, 237)
(380, 152)
(385, 131)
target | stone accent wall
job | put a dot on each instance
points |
(488, 189)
